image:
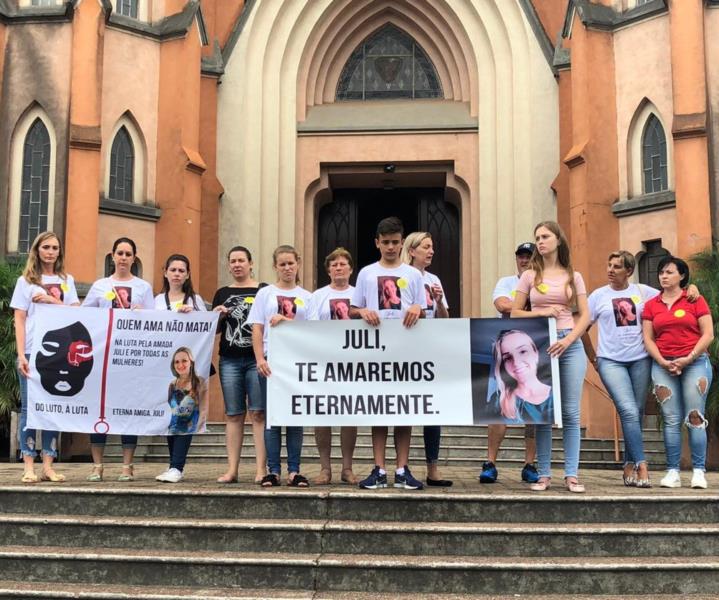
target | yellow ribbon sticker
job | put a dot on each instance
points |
(299, 302)
(513, 293)
(64, 287)
(636, 299)
(401, 283)
(110, 295)
(679, 313)
(177, 305)
(249, 300)
(542, 288)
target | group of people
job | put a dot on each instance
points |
(643, 334)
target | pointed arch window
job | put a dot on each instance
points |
(127, 8)
(122, 164)
(654, 157)
(35, 186)
(388, 64)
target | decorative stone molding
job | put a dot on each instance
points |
(144, 212)
(85, 137)
(644, 203)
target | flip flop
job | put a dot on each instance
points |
(226, 479)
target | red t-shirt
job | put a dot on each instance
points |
(676, 328)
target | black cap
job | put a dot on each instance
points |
(526, 248)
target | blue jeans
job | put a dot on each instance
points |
(99, 439)
(26, 437)
(572, 368)
(273, 442)
(627, 384)
(432, 434)
(179, 446)
(681, 397)
(240, 385)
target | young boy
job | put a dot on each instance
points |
(389, 289)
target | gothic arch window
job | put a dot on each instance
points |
(135, 269)
(388, 64)
(127, 8)
(35, 184)
(654, 157)
(122, 164)
(648, 260)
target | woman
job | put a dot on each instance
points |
(389, 294)
(238, 370)
(187, 397)
(178, 295)
(332, 302)
(135, 293)
(266, 313)
(555, 290)
(44, 271)
(520, 397)
(677, 334)
(418, 251)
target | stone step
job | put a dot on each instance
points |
(498, 503)
(354, 537)
(370, 573)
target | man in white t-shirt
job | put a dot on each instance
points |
(389, 289)
(503, 298)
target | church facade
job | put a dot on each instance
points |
(193, 126)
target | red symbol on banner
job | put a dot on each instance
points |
(102, 426)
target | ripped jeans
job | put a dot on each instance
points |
(682, 399)
(26, 436)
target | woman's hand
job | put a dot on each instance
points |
(277, 319)
(221, 308)
(668, 366)
(263, 368)
(692, 293)
(557, 348)
(23, 366)
(43, 298)
(437, 293)
(369, 316)
(185, 308)
(550, 311)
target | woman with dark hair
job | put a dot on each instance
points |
(520, 397)
(418, 251)
(677, 333)
(121, 290)
(44, 271)
(178, 293)
(556, 290)
(238, 369)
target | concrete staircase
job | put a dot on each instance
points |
(461, 447)
(198, 540)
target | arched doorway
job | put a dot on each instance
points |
(351, 218)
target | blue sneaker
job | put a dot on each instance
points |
(407, 481)
(375, 480)
(529, 474)
(488, 473)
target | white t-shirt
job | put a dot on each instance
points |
(111, 293)
(389, 291)
(51, 284)
(506, 288)
(161, 303)
(327, 304)
(619, 317)
(271, 300)
(428, 280)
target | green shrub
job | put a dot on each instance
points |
(9, 389)
(705, 276)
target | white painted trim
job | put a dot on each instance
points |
(138, 146)
(142, 9)
(16, 157)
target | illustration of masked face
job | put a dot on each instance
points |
(65, 360)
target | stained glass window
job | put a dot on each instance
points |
(127, 8)
(34, 193)
(654, 157)
(122, 163)
(388, 64)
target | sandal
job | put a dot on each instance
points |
(298, 481)
(324, 478)
(130, 475)
(226, 479)
(348, 476)
(96, 475)
(573, 485)
(270, 480)
(29, 477)
(542, 485)
(52, 477)
(629, 481)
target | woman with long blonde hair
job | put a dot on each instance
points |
(43, 281)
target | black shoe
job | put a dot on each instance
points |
(439, 482)
(375, 480)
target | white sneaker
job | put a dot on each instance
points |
(161, 476)
(173, 476)
(671, 479)
(699, 481)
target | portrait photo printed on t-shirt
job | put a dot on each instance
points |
(286, 306)
(389, 295)
(123, 296)
(625, 312)
(339, 309)
(54, 290)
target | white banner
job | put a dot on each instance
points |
(440, 372)
(99, 370)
